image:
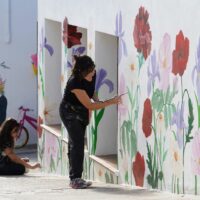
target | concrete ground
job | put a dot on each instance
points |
(39, 186)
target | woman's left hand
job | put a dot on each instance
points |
(26, 159)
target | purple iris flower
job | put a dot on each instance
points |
(196, 72)
(44, 44)
(101, 80)
(76, 51)
(120, 34)
(153, 72)
(178, 120)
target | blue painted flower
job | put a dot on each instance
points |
(101, 80)
(78, 52)
(196, 72)
(45, 45)
(178, 120)
(153, 72)
(120, 34)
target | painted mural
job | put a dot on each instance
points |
(159, 120)
(34, 63)
(3, 99)
(98, 114)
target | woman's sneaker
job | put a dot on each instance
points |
(88, 183)
(78, 183)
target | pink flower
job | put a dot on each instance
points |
(165, 61)
(34, 63)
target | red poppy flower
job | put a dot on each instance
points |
(142, 34)
(147, 118)
(180, 54)
(139, 169)
(39, 128)
(70, 35)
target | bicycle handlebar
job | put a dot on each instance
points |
(25, 109)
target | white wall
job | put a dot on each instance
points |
(53, 72)
(167, 16)
(106, 56)
(21, 83)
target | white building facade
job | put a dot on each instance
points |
(149, 49)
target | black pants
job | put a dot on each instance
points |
(8, 167)
(76, 133)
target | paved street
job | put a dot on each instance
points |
(39, 186)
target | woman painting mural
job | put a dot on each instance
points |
(74, 112)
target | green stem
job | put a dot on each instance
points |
(42, 80)
(196, 181)
(178, 186)
(172, 183)
(198, 116)
(198, 109)
(183, 138)
(175, 184)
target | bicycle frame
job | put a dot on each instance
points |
(32, 121)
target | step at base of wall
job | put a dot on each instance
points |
(107, 161)
(54, 129)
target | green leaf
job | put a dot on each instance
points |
(133, 139)
(157, 100)
(149, 159)
(160, 175)
(58, 158)
(111, 178)
(166, 116)
(126, 177)
(126, 135)
(170, 111)
(173, 108)
(52, 165)
(130, 97)
(41, 79)
(198, 109)
(190, 121)
(107, 177)
(167, 95)
(165, 155)
(99, 116)
(123, 136)
(152, 178)
(191, 116)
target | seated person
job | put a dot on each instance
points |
(10, 163)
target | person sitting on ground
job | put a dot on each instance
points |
(10, 163)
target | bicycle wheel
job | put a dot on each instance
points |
(23, 139)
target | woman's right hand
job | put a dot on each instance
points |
(37, 165)
(116, 100)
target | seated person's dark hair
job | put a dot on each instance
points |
(5, 132)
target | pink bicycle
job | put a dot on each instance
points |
(23, 136)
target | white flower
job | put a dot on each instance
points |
(176, 158)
